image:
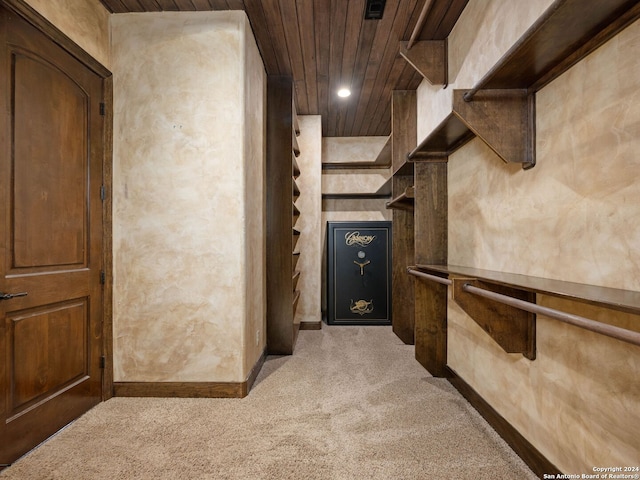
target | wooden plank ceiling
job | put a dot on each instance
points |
(327, 44)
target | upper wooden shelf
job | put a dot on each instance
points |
(382, 161)
(613, 298)
(567, 32)
(500, 108)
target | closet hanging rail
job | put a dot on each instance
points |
(435, 278)
(420, 24)
(612, 331)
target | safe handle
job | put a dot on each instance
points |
(9, 296)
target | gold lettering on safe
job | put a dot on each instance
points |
(354, 238)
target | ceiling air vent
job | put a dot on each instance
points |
(374, 9)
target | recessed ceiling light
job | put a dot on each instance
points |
(344, 92)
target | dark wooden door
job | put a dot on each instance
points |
(50, 237)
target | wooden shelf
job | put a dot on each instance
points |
(296, 298)
(296, 124)
(384, 157)
(566, 33)
(295, 168)
(296, 147)
(504, 304)
(296, 236)
(282, 215)
(355, 196)
(503, 119)
(295, 191)
(451, 134)
(500, 109)
(404, 201)
(386, 188)
(354, 166)
(615, 299)
(382, 161)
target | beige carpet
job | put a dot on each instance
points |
(351, 403)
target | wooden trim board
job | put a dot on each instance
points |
(190, 389)
(529, 454)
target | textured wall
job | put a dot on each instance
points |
(354, 181)
(351, 149)
(181, 220)
(86, 22)
(574, 217)
(310, 222)
(255, 85)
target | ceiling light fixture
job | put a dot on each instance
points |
(344, 92)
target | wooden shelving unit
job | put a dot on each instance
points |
(382, 162)
(282, 216)
(404, 130)
(508, 316)
(500, 108)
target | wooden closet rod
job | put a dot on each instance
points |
(612, 331)
(417, 273)
(420, 24)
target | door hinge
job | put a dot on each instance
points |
(102, 108)
(103, 277)
(103, 361)
(103, 193)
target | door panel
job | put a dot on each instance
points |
(51, 135)
(49, 110)
(49, 352)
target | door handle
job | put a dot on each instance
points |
(9, 296)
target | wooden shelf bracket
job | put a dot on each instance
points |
(510, 327)
(429, 59)
(504, 120)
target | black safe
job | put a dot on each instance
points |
(359, 273)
